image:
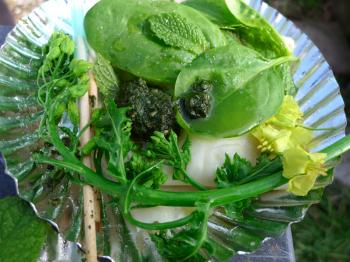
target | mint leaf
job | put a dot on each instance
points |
(176, 31)
(22, 233)
(106, 80)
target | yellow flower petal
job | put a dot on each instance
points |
(271, 139)
(301, 185)
(302, 168)
(295, 162)
(280, 144)
(282, 134)
(300, 137)
(288, 115)
(316, 164)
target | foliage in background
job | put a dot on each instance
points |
(324, 233)
(310, 4)
(22, 232)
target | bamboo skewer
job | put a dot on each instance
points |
(93, 93)
(85, 116)
(88, 191)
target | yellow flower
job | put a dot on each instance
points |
(271, 139)
(289, 115)
(283, 134)
(302, 169)
(301, 185)
(300, 136)
(282, 131)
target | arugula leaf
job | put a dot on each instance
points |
(22, 233)
(239, 170)
(113, 131)
(114, 139)
(175, 156)
(185, 244)
(138, 164)
(232, 171)
(177, 31)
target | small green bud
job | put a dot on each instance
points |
(54, 53)
(56, 42)
(84, 79)
(89, 146)
(60, 109)
(79, 67)
(68, 46)
(62, 83)
(45, 67)
(77, 91)
(73, 112)
(96, 114)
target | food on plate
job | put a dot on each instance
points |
(195, 125)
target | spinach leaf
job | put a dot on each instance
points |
(249, 27)
(124, 33)
(22, 233)
(247, 90)
(252, 29)
(215, 10)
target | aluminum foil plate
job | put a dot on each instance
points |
(59, 201)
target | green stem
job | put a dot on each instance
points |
(317, 129)
(147, 196)
(193, 182)
(216, 197)
(126, 205)
(338, 148)
(202, 234)
(159, 226)
(89, 176)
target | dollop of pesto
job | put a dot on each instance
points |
(197, 103)
(150, 109)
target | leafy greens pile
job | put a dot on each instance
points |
(174, 44)
(228, 72)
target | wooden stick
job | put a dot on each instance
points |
(93, 93)
(88, 192)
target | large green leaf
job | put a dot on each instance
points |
(252, 29)
(122, 32)
(247, 90)
(249, 27)
(22, 232)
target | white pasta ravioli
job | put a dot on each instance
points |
(207, 154)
